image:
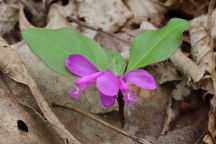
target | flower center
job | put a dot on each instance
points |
(129, 98)
(75, 93)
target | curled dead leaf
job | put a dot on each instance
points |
(12, 66)
(202, 52)
(17, 125)
(187, 66)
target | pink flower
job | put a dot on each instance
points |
(106, 81)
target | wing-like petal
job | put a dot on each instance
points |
(108, 83)
(79, 65)
(88, 80)
(141, 78)
(122, 85)
(107, 101)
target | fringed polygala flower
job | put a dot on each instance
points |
(107, 82)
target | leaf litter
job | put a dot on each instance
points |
(181, 110)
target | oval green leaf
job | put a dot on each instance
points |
(156, 45)
(54, 46)
(116, 62)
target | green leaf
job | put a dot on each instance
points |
(116, 62)
(54, 46)
(156, 45)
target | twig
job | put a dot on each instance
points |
(95, 29)
(200, 137)
(142, 141)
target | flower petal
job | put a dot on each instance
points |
(141, 78)
(88, 80)
(79, 65)
(122, 85)
(108, 83)
(107, 101)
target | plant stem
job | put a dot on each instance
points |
(121, 108)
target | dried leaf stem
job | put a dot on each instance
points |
(142, 141)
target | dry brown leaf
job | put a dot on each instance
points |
(207, 139)
(202, 52)
(17, 126)
(12, 66)
(166, 71)
(8, 15)
(186, 135)
(177, 93)
(145, 7)
(56, 17)
(187, 66)
(144, 93)
(173, 111)
(108, 15)
(212, 115)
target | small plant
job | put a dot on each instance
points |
(70, 53)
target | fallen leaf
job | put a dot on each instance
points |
(56, 17)
(202, 52)
(108, 15)
(17, 126)
(12, 66)
(8, 15)
(146, 7)
(187, 66)
(207, 139)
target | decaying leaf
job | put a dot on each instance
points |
(144, 93)
(187, 66)
(145, 7)
(12, 66)
(208, 140)
(167, 72)
(173, 111)
(202, 52)
(18, 126)
(56, 17)
(108, 15)
(8, 15)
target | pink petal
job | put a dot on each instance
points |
(88, 80)
(141, 78)
(123, 86)
(79, 65)
(108, 83)
(107, 101)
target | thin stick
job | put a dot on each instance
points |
(95, 29)
(142, 141)
(200, 137)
